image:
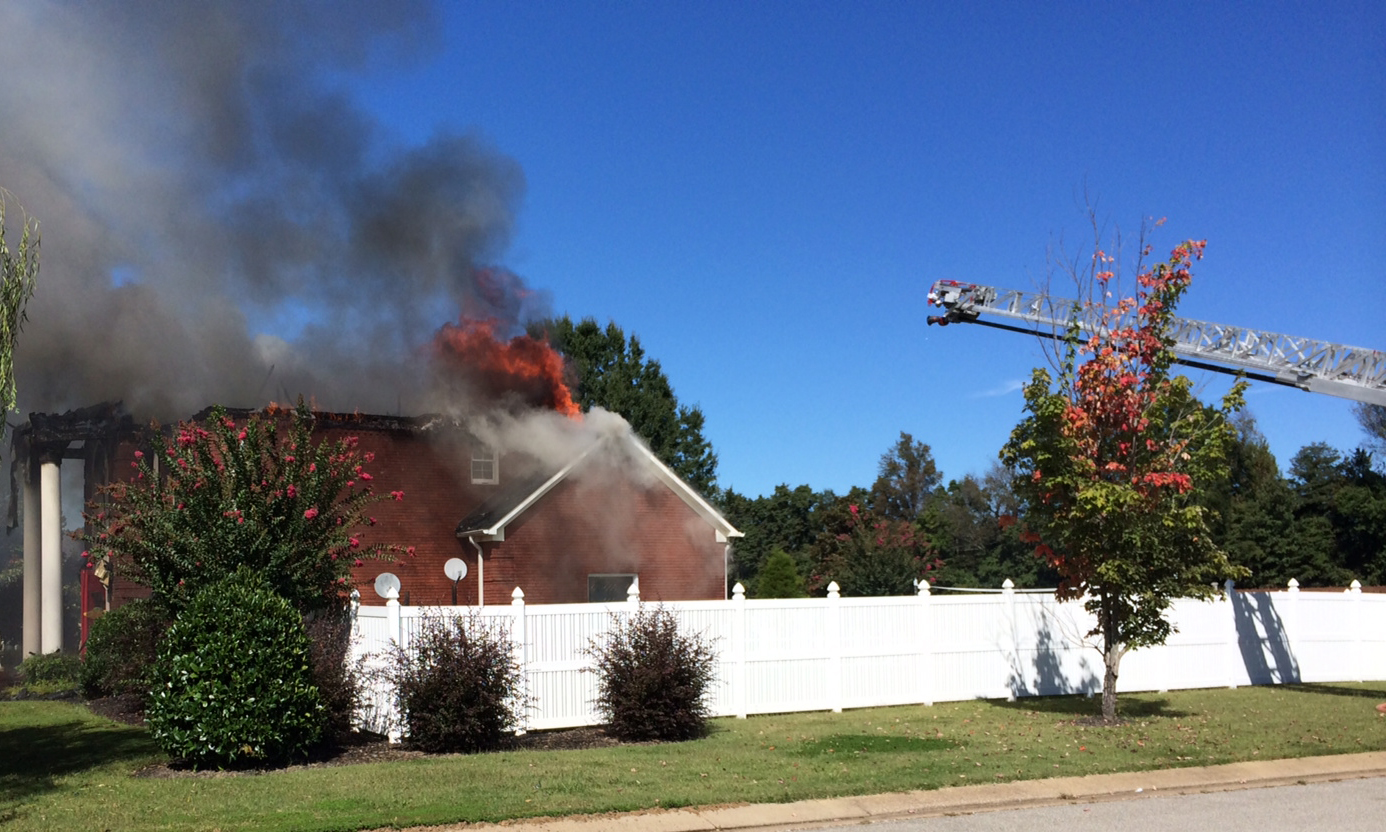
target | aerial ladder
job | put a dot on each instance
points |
(1317, 366)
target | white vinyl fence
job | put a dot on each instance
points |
(778, 656)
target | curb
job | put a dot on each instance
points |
(955, 800)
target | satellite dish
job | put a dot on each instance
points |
(455, 569)
(387, 586)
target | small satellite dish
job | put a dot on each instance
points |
(455, 569)
(387, 586)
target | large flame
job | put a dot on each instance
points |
(523, 367)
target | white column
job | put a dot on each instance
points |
(33, 567)
(51, 510)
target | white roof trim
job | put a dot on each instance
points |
(724, 530)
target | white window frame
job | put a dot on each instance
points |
(486, 456)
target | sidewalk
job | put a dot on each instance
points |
(968, 799)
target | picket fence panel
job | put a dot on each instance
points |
(786, 655)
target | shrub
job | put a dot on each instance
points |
(233, 683)
(779, 578)
(253, 491)
(458, 687)
(121, 649)
(652, 680)
(52, 671)
(335, 676)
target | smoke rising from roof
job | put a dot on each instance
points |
(222, 224)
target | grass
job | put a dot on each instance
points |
(61, 767)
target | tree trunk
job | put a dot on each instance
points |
(1112, 651)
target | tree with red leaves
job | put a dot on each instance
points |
(222, 493)
(1108, 460)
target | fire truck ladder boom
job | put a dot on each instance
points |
(1317, 366)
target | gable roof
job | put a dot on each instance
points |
(489, 520)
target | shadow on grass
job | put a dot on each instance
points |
(1129, 706)
(872, 744)
(1338, 690)
(33, 757)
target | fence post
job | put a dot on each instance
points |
(1355, 593)
(1234, 652)
(517, 635)
(739, 650)
(926, 643)
(1292, 629)
(1008, 595)
(396, 634)
(835, 647)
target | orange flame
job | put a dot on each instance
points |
(524, 366)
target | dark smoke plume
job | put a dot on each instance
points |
(221, 223)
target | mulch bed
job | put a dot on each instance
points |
(355, 749)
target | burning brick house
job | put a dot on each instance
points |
(576, 517)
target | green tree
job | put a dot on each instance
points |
(613, 372)
(780, 578)
(1108, 459)
(868, 553)
(787, 519)
(1260, 523)
(232, 493)
(1372, 418)
(906, 479)
(19, 268)
(970, 525)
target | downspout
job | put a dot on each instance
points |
(480, 574)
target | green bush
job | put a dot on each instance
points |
(458, 687)
(652, 680)
(55, 671)
(233, 683)
(780, 578)
(121, 648)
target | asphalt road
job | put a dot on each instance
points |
(1345, 806)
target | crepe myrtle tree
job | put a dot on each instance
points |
(1108, 459)
(256, 492)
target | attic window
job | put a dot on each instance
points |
(485, 466)
(607, 588)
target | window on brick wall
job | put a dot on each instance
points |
(608, 587)
(485, 465)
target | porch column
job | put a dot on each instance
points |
(33, 622)
(51, 510)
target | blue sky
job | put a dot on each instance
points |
(764, 192)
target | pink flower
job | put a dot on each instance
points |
(852, 509)
(312, 466)
(358, 563)
(139, 454)
(398, 495)
(366, 477)
(241, 435)
(310, 514)
(292, 491)
(355, 543)
(410, 551)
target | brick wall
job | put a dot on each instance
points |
(598, 522)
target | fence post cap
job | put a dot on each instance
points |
(834, 591)
(1008, 585)
(739, 592)
(517, 595)
(1355, 587)
(633, 591)
(1293, 585)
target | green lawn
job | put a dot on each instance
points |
(62, 768)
